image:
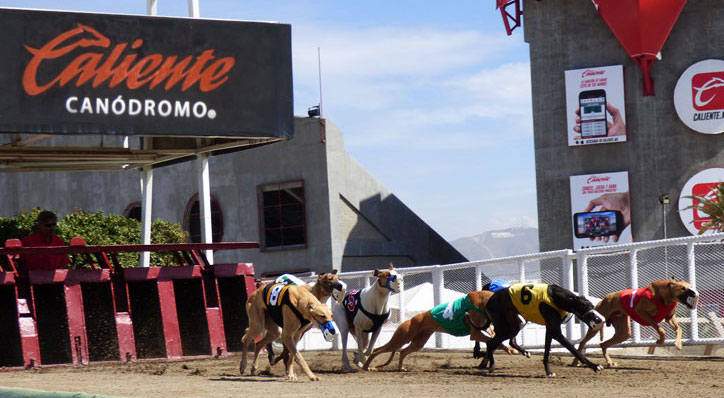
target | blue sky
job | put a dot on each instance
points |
(433, 98)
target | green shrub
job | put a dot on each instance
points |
(99, 229)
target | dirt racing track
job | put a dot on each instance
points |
(431, 374)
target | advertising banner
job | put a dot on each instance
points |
(83, 73)
(699, 96)
(600, 209)
(702, 184)
(595, 106)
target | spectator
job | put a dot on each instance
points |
(44, 236)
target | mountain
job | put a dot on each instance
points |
(500, 243)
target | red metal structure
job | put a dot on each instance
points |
(642, 27)
(108, 313)
(512, 19)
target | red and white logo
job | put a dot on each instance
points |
(597, 179)
(707, 191)
(699, 96)
(707, 91)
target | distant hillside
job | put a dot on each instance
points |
(501, 243)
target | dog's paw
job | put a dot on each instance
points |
(403, 370)
(292, 377)
(611, 364)
(551, 375)
(370, 369)
(314, 378)
(679, 346)
(575, 363)
(526, 354)
(598, 368)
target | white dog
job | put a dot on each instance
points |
(363, 312)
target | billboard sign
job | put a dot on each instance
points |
(83, 73)
(600, 209)
(699, 96)
(702, 184)
(595, 106)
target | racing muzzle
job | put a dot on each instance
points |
(338, 291)
(393, 283)
(594, 320)
(689, 298)
(329, 330)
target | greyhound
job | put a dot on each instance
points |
(364, 312)
(648, 306)
(542, 304)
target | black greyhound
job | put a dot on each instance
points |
(504, 316)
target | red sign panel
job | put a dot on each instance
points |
(707, 91)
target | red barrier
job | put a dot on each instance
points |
(114, 314)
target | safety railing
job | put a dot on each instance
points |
(593, 272)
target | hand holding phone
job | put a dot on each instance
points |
(592, 113)
(617, 128)
(598, 224)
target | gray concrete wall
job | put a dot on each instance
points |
(369, 228)
(661, 153)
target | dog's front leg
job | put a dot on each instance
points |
(373, 339)
(362, 341)
(671, 320)
(345, 358)
(290, 340)
(553, 330)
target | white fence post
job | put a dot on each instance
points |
(521, 276)
(401, 297)
(567, 277)
(582, 265)
(478, 277)
(438, 282)
(634, 276)
(690, 255)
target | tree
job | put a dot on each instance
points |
(713, 206)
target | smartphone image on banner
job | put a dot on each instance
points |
(592, 105)
(597, 223)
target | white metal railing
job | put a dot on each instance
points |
(596, 271)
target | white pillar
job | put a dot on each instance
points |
(202, 173)
(151, 7)
(146, 205)
(691, 256)
(438, 283)
(194, 8)
(634, 275)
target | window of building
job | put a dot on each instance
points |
(282, 218)
(192, 222)
(133, 211)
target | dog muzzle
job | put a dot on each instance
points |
(393, 283)
(594, 320)
(329, 330)
(690, 298)
(338, 291)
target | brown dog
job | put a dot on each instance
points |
(648, 306)
(327, 285)
(469, 319)
(289, 306)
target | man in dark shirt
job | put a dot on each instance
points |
(44, 236)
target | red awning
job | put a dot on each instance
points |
(642, 27)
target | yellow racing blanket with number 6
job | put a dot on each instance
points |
(527, 297)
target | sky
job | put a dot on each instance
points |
(433, 97)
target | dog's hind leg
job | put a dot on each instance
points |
(622, 327)
(271, 334)
(256, 327)
(416, 345)
(398, 339)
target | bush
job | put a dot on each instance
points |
(99, 229)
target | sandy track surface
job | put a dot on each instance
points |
(431, 374)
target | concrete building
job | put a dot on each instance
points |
(309, 203)
(661, 153)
